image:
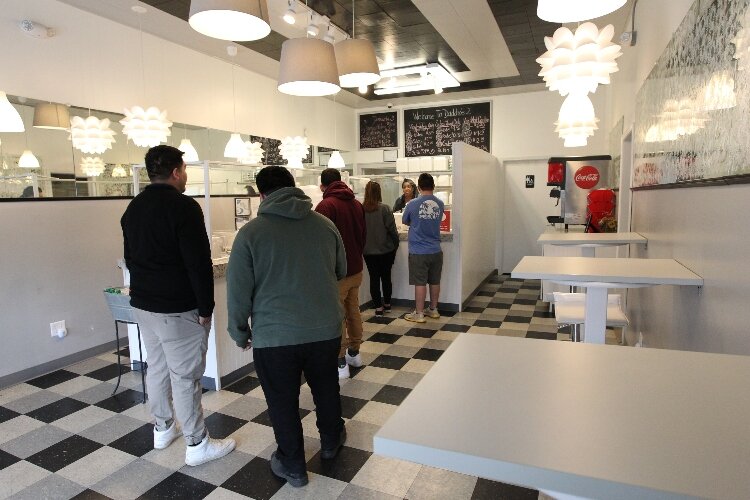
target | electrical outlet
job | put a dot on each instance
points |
(58, 329)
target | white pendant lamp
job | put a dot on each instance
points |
(571, 11)
(191, 155)
(576, 121)
(235, 147)
(91, 135)
(308, 68)
(10, 120)
(51, 116)
(336, 161)
(579, 62)
(92, 166)
(293, 150)
(146, 127)
(28, 160)
(238, 20)
(356, 60)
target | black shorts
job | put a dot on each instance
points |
(425, 269)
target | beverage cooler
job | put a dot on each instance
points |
(573, 178)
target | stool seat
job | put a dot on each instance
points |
(570, 309)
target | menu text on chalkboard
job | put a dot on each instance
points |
(378, 130)
(432, 131)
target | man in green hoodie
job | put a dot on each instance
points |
(283, 277)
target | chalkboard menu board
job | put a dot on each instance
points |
(378, 131)
(432, 131)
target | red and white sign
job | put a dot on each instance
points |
(445, 223)
(586, 177)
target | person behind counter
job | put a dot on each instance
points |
(380, 246)
(410, 192)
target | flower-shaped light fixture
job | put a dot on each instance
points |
(579, 62)
(235, 147)
(28, 160)
(571, 11)
(191, 155)
(146, 128)
(10, 120)
(119, 171)
(336, 161)
(680, 117)
(91, 135)
(253, 153)
(293, 150)
(719, 92)
(92, 166)
(576, 121)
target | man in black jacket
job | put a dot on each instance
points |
(172, 293)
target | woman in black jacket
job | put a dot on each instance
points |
(410, 192)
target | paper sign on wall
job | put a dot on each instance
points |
(445, 222)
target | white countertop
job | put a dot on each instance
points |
(590, 269)
(578, 238)
(595, 421)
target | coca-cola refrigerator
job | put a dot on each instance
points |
(580, 175)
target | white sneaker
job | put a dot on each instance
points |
(344, 372)
(162, 439)
(207, 450)
(355, 361)
(432, 313)
(415, 317)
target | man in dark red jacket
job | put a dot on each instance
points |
(348, 215)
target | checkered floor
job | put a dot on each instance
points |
(63, 436)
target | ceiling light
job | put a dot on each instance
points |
(28, 160)
(253, 153)
(10, 120)
(356, 59)
(146, 128)
(191, 155)
(238, 20)
(293, 150)
(235, 147)
(308, 68)
(410, 79)
(680, 117)
(92, 166)
(579, 62)
(312, 28)
(119, 171)
(363, 89)
(289, 16)
(51, 116)
(91, 135)
(329, 36)
(576, 121)
(336, 161)
(571, 11)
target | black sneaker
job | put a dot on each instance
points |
(329, 453)
(379, 312)
(297, 480)
(387, 307)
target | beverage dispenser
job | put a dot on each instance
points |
(572, 179)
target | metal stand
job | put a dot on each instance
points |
(143, 365)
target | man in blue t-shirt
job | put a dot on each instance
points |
(423, 216)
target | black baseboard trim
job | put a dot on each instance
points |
(476, 290)
(229, 378)
(44, 368)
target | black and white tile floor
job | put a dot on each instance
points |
(63, 436)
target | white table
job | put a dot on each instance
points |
(641, 423)
(590, 241)
(598, 275)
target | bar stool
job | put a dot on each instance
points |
(570, 309)
(122, 312)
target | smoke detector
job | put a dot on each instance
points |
(36, 30)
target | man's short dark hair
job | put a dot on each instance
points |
(329, 176)
(269, 179)
(426, 181)
(161, 160)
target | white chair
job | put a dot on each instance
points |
(570, 309)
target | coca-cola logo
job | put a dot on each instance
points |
(586, 177)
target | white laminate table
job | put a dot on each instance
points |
(598, 275)
(590, 241)
(641, 423)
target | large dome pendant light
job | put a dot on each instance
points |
(232, 20)
(356, 60)
(571, 11)
(308, 68)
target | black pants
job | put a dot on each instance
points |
(379, 267)
(279, 370)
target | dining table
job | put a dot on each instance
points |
(598, 275)
(589, 242)
(580, 420)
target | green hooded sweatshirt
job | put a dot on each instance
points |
(283, 275)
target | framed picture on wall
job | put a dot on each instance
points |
(242, 207)
(240, 220)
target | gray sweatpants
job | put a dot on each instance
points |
(176, 347)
